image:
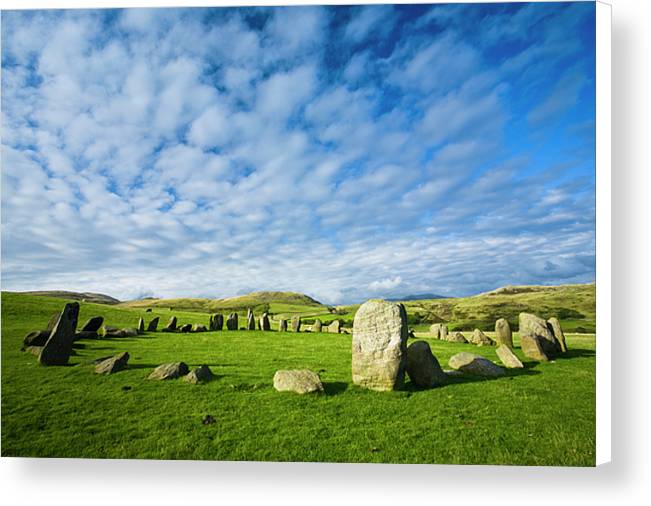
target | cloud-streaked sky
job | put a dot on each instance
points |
(342, 152)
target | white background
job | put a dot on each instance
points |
(624, 481)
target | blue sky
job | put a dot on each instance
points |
(342, 152)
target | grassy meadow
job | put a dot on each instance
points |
(542, 415)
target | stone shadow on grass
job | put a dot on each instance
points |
(576, 353)
(467, 378)
(334, 387)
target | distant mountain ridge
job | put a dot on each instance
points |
(95, 298)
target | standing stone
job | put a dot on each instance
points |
(92, 324)
(334, 327)
(435, 330)
(296, 323)
(481, 339)
(282, 325)
(169, 371)
(317, 325)
(508, 358)
(443, 332)
(113, 364)
(422, 367)
(264, 322)
(379, 352)
(556, 329)
(231, 321)
(171, 325)
(218, 322)
(503, 333)
(457, 337)
(141, 326)
(469, 363)
(250, 320)
(53, 321)
(300, 381)
(153, 325)
(58, 347)
(533, 328)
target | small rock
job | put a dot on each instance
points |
(300, 381)
(456, 337)
(201, 374)
(469, 363)
(113, 364)
(481, 339)
(169, 371)
(508, 358)
(208, 419)
(422, 367)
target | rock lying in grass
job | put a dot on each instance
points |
(92, 324)
(185, 328)
(113, 364)
(508, 358)
(476, 365)
(556, 329)
(36, 338)
(250, 321)
(456, 337)
(301, 381)
(317, 325)
(379, 354)
(201, 374)
(264, 322)
(58, 348)
(85, 334)
(282, 325)
(153, 325)
(197, 327)
(130, 332)
(231, 322)
(536, 339)
(481, 339)
(141, 326)
(503, 333)
(169, 371)
(422, 367)
(171, 325)
(334, 327)
(296, 323)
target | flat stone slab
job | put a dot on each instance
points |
(469, 363)
(169, 371)
(113, 364)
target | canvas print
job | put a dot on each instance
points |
(319, 234)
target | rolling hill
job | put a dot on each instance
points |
(95, 298)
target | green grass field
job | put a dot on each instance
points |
(543, 415)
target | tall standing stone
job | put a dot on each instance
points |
(58, 347)
(555, 326)
(443, 332)
(141, 325)
(317, 325)
(217, 322)
(379, 351)
(282, 325)
(536, 339)
(171, 325)
(231, 322)
(296, 323)
(503, 333)
(153, 325)
(334, 327)
(92, 324)
(250, 320)
(264, 322)
(435, 330)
